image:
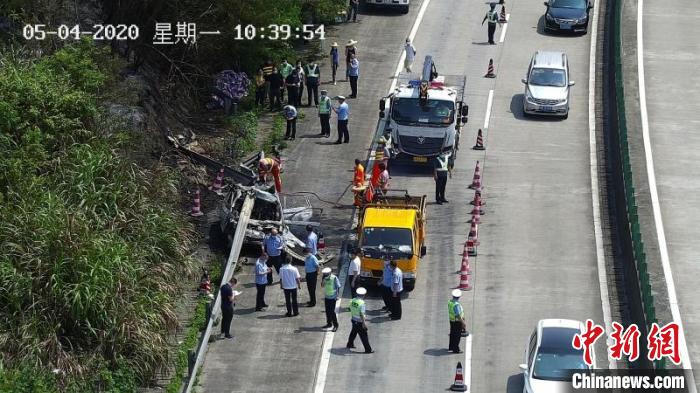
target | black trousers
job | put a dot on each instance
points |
(311, 279)
(291, 128)
(343, 133)
(334, 70)
(312, 92)
(357, 328)
(290, 299)
(226, 317)
(351, 277)
(260, 296)
(275, 262)
(301, 94)
(492, 31)
(395, 305)
(331, 317)
(260, 95)
(386, 293)
(292, 95)
(352, 12)
(325, 123)
(440, 184)
(353, 86)
(455, 335)
(275, 98)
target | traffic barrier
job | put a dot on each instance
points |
(490, 71)
(476, 180)
(471, 248)
(458, 385)
(218, 182)
(502, 18)
(479, 141)
(196, 208)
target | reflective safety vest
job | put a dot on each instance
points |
(443, 163)
(359, 178)
(492, 16)
(355, 309)
(329, 287)
(312, 71)
(325, 107)
(451, 310)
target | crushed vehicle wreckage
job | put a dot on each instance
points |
(290, 215)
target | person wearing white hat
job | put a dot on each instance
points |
(457, 324)
(324, 114)
(330, 285)
(359, 321)
(350, 50)
(335, 59)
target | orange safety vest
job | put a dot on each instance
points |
(359, 178)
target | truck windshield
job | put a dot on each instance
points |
(434, 112)
(391, 239)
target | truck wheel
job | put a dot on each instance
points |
(404, 9)
(408, 287)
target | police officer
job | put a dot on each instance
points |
(324, 114)
(385, 285)
(330, 285)
(492, 17)
(359, 321)
(395, 292)
(313, 76)
(457, 323)
(442, 171)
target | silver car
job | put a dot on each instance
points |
(547, 85)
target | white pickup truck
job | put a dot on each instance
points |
(402, 5)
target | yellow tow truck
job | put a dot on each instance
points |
(392, 227)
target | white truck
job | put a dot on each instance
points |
(423, 116)
(402, 5)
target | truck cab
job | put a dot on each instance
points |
(393, 228)
(425, 115)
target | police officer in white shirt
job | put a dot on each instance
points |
(290, 283)
(396, 289)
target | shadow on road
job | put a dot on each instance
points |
(437, 352)
(516, 108)
(273, 316)
(515, 384)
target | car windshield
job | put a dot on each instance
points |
(578, 4)
(547, 77)
(434, 112)
(391, 239)
(556, 358)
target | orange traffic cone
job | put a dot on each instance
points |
(479, 141)
(471, 247)
(489, 71)
(476, 181)
(218, 182)
(196, 208)
(502, 18)
(458, 385)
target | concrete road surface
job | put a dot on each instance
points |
(672, 82)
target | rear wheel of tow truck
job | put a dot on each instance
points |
(404, 9)
(409, 287)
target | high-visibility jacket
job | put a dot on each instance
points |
(325, 105)
(442, 161)
(451, 310)
(329, 287)
(359, 178)
(356, 309)
(492, 16)
(312, 72)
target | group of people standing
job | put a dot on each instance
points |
(273, 80)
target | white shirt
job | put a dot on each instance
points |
(410, 52)
(355, 266)
(288, 276)
(398, 280)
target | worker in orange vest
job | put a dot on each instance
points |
(270, 166)
(358, 182)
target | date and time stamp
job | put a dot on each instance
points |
(166, 33)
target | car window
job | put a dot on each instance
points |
(531, 348)
(547, 77)
(578, 4)
(556, 357)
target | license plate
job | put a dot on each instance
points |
(565, 26)
(420, 159)
(547, 109)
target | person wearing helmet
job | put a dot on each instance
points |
(359, 321)
(270, 166)
(457, 323)
(330, 285)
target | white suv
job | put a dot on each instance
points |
(402, 5)
(547, 85)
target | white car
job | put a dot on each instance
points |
(402, 5)
(550, 356)
(547, 85)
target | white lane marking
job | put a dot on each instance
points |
(600, 253)
(488, 110)
(663, 248)
(322, 372)
(468, 363)
(504, 29)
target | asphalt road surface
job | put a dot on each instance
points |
(537, 255)
(671, 55)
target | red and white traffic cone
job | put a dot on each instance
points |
(502, 18)
(477, 200)
(465, 250)
(464, 281)
(476, 216)
(465, 264)
(476, 180)
(489, 71)
(218, 182)
(471, 247)
(196, 208)
(458, 385)
(321, 243)
(473, 234)
(479, 141)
